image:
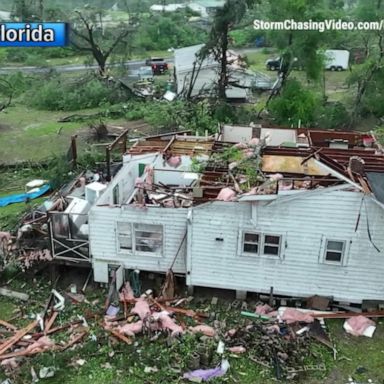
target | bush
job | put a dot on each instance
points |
(294, 104)
(16, 55)
(199, 116)
(55, 95)
(166, 31)
(244, 37)
(333, 116)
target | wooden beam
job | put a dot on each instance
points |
(18, 336)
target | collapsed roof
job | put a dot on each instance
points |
(246, 162)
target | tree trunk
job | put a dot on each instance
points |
(223, 79)
(101, 60)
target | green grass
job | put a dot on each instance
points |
(7, 307)
(33, 135)
(10, 214)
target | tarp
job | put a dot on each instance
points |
(21, 197)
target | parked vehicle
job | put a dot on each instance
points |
(159, 65)
(336, 59)
(275, 64)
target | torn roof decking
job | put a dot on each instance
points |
(372, 160)
(294, 163)
(176, 146)
(320, 138)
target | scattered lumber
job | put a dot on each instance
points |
(120, 336)
(18, 336)
(15, 295)
(8, 325)
(347, 315)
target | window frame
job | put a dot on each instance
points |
(148, 253)
(342, 253)
(134, 251)
(243, 243)
(261, 244)
(278, 246)
(120, 234)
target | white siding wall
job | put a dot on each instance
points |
(104, 242)
(304, 223)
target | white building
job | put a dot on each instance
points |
(317, 228)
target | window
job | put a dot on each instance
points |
(260, 244)
(251, 243)
(124, 233)
(148, 238)
(334, 251)
(271, 245)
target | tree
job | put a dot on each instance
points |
(7, 90)
(87, 36)
(295, 105)
(368, 77)
(217, 45)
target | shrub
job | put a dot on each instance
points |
(333, 116)
(294, 104)
(54, 95)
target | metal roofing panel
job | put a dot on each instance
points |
(376, 182)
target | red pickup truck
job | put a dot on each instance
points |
(158, 65)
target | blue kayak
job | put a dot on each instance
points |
(21, 197)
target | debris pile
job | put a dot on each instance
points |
(35, 337)
(278, 340)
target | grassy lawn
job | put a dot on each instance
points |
(29, 134)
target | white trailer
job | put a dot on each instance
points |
(336, 59)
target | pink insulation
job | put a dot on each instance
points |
(174, 161)
(276, 177)
(40, 345)
(254, 141)
(248, 152)
(167, 323)
(5, 236)
(292, 315)
(148, 170)
(237, 349)
(358, 325)
(263, 309)
(131, 329)
(139, 182)
(9, 363)
(141, 308)
(232, 332)
(206, 330)
(226, 194)
(240, 146)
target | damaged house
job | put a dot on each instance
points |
(202, 76)
(252, 208)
